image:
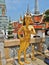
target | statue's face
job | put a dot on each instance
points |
(27, 20)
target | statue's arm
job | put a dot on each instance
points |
(19, 31)
(33, 31)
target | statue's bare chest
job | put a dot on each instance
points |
(26, 31)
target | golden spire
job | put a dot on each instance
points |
(3, 11)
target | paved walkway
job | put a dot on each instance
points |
(35, 62)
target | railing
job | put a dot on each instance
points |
(11, 49)
(15, 42)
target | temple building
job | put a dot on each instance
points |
(3, 18)
(37, 15)
(36, 20)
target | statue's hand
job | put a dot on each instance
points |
(32, 30)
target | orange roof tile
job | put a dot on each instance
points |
(37, 18)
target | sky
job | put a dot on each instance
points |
(17, 8)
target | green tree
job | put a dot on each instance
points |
(46, 18)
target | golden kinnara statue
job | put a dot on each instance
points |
(24, 41)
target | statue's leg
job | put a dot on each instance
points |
(20, 62)
(26, 46)
(19, 54)
(33, 57)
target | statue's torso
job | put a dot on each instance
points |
(26, 34)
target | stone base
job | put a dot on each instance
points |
(35, 62)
